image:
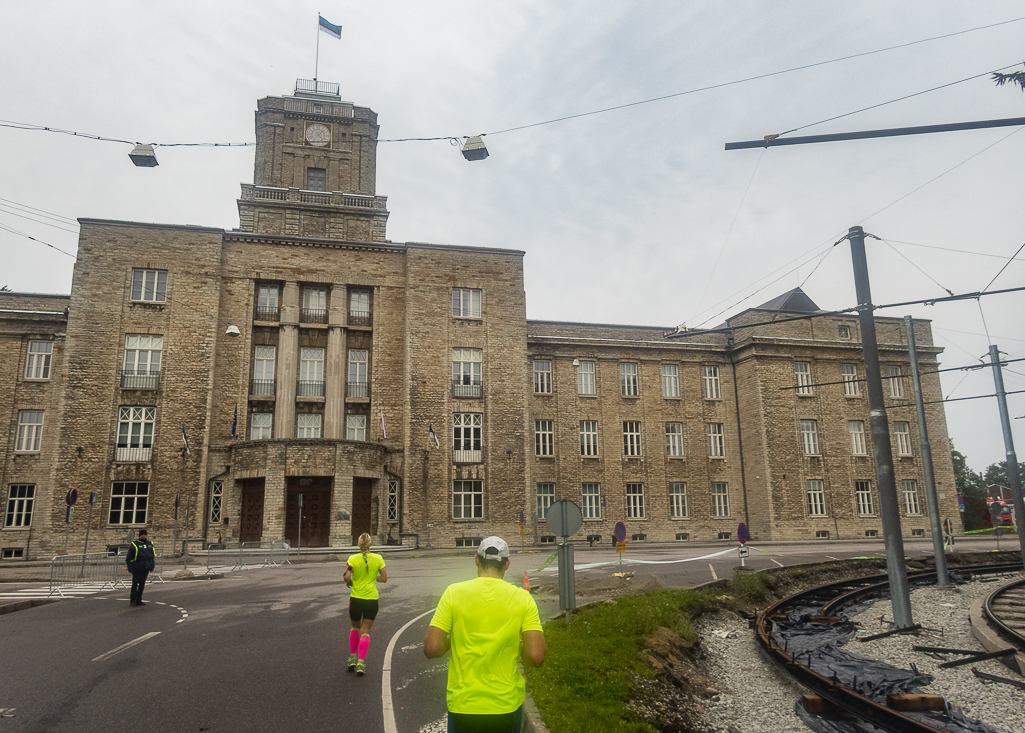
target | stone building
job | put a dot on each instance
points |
(329, 382)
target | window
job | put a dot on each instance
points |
(267, 303)
(631, 438)
(910, 490)
(542, 377)
(683, 536)
(863, 496)
(357, 383)
(465, 303)
(263, 371)
(588, 437)
(710, 382)
(816, 498)
(316, 179)
(720, 500)
(670, 381)
(674, 439)
(843, 331)
(149, 286)
(810, 437)
(393, 500)
(142, 361)
(359, 308)
(716, 440)
(822, 534)
(135, 433)
(128, 501)
(544, 438)
(591, 501)
(902, 431)
(545, 498)
(635, 501)
(466, 368)
(856, 429)
(260, 425)
(677, 501)
(896, 381)
(30, 431)
(467, 499)
(585, 378)
(311, 373)
(216, 498)
(466, 436)
(13, 553)
(802, 373)
(307, 425)
(314, 306)
(355, 427)
(628, 379)
(849, 376)
(19, 505)
(37, 363)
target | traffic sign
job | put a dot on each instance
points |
(564, 518)
(619, 532)
(996, 508)
(744, 551)
(521, 518)
(621, 547)
(72, 497)
(742, 533)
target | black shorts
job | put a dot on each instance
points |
(362, 609)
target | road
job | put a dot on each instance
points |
(265, 650)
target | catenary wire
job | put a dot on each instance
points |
(40, 241)
(950, 249)
(1004, 267)
(958, 399)
(969, 368)
(89, 136)
(33, 209)
(972, 333)
(5, 210)
(908, 260)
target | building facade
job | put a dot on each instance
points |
(304, 378)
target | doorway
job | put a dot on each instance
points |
(362, 491)
(315, 520)
(251, 515)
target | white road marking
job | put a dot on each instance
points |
(832, 558)
(386, 701)
(126, 645)
(714, 576)
(778, 563)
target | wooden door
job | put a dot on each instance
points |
(362, 490)
(251, 519)
(315, 518)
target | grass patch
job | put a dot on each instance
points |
(752, 588)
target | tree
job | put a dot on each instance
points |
(996, 473)
(1015, 77)
(972, 487)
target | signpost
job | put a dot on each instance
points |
(85, 550)
(177, 503)
(948, 529)
(299, 538)
(619, 532)
(70, 499)
(566, 519)
(743, 552)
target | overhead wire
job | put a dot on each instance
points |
(908, 260)
(33, 209)
(950, 249)
(1004, 267)
(89, 136)
(5, 210)
(40, 241)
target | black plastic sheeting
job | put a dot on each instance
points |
(821, 647)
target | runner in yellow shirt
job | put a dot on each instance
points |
(489, 625)
(363, 572)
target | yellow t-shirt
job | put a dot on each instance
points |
(364, 574)
(484, 618)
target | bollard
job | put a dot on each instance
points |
(526, 582)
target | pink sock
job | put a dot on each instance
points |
(364, 644)
(353, 640)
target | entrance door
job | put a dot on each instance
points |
(251, 519)
(316, 510)
(362, 489)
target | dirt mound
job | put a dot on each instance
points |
(607, 587)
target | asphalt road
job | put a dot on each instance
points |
(265, 650)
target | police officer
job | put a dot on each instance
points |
(141, 560)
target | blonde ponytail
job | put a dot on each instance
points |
(364, 547)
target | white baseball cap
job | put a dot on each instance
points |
(493, 548)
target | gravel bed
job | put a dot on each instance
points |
(757, 698)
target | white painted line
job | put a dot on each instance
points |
(778, 562)
(386, 701)
(714, 576)
(832, 558)
(126, 645)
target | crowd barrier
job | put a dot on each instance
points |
(247, 555)
(94, 568)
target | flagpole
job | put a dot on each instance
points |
(316, 63)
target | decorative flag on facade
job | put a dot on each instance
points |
(330, 28)
(430, 432)
(185, 441)
(384, 432)
(234, 423)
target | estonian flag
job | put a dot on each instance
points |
(330, 28)
(430, 432)
(185, 441)
(234, 423)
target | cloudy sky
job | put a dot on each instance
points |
(636, 215)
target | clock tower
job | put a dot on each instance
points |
(316, 168)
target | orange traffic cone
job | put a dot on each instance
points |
(526, 582)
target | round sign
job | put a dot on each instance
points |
(619, 532)
(564, 518)
(742, 533)
(72, 497)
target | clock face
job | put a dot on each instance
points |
(318, 134)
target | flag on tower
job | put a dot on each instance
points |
(384, 433)
(430, 432)
(330, 28)
(185, 441)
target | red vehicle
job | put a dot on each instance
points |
(1006, 520)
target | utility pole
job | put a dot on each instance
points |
(1013, 477)
(930, 479)
(889, 507)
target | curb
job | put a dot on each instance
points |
(25, 605)
(532, 722)
(990, 640)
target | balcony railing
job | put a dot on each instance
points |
(313, 315)
(317, 87)
(140, 379)
(357, 389)
(262, 388)
(359, 318)
(309, 389)
(133, 455)
(267, 313)
(466, 456)
(467, 388)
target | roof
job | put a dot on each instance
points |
(792, 301)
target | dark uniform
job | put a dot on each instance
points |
(141, 560)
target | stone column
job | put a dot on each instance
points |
(274, 488)
(288, 363)
(335, 376)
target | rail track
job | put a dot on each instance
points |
(999, 623)
(786, 631)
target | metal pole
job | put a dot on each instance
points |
(889, 507)
(185, 551)
(316, 63)
(1013, 476)
(88, 526)
(930, 479)
(299, 539)
(67, 518)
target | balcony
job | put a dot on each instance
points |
(267, 313)
(262, 388)
(309, 389)
(133, 455)
(360, 318)
(140, 379)
(467, 456)
(313, 315)
(357, 389)
(468, 387)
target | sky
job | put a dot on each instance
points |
(636, 215)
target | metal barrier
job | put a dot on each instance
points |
(94, 568)
(248, 554)
(226, 559)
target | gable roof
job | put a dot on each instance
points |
(792, 301)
